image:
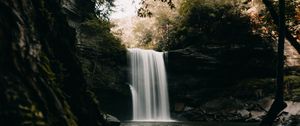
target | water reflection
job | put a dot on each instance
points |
(186, 124)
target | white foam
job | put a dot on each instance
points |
(149, 86)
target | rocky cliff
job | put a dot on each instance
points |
(41, 81)
(104, 65)
(225, 84)
(192, 70)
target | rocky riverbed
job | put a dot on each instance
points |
(230, 109)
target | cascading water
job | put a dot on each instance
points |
(149, 86)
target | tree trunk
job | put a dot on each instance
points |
(275, 18)
(278, 104)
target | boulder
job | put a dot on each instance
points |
(179, 107)
(187, 108)
(244, 113)
(111, 120)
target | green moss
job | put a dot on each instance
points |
(292, 80)
(31, 115)
(46, 68)
(249, 87)
(102, 71)
(48, 74)
(296, 91)
(292, 84)
(262, 83)
(45, 12)
(70, 116)
(105, 72)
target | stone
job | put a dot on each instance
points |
(187, 108)
(244, 113)
(293, 108)
(179, 107)
(111, 120)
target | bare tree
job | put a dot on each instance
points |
(278, 104)
(275, 17)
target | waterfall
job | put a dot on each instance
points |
(148, 85)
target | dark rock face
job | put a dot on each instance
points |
(197, 76)
(77, 10)
(41, 81)
(103, 60)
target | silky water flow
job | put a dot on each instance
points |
(148, 85)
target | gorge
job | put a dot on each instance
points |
(63, 64)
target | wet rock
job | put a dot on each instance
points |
(111, 120)
(179, 107)
(294, 121)
(187, 108)
(253, 119)
(244, 113)
(293, 108)
(40, 74)
(232, 109)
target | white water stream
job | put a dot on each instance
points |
(148, 85)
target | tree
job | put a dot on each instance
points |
(103, 8)
(278, 104)
(144, 10)
(288, 33)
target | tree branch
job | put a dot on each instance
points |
(275, 18)
(278, 104)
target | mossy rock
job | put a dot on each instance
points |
(262, 87)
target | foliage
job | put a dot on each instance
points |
(206, 21)
(103, 60)
(147, 38)
(203, 23)
(146, 11)
(103, 8)
(143, 34)
(105, 69)
(220, 35)
(100, 36)
(144, 28)
(264, 24)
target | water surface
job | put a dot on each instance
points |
(187, 124)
